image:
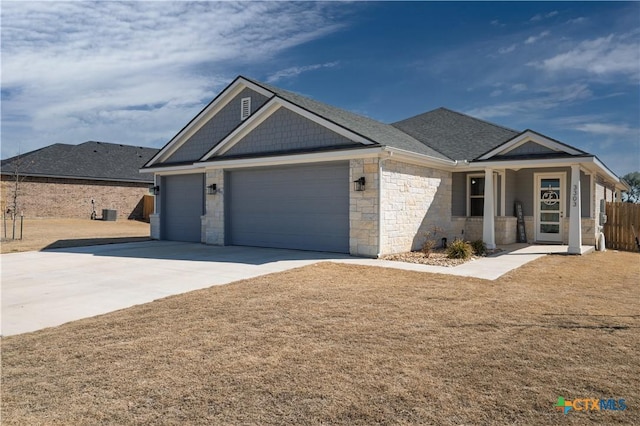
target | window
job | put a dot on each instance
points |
(475, 185)
(245, 108)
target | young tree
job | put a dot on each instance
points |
(633, 195)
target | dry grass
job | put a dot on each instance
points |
(344, 344)
(58, 233)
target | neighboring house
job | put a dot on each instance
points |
(61, 180)
(261, 166)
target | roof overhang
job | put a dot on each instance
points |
(219, 102)
(530, 136)
(589, 164)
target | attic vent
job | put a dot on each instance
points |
(245, 108)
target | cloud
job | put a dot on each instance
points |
(533, 39)
(540, 17)
(296, 71)
(545, 99)
(72, 70)
(497, 23)
(578, 20)
(608, 129)
(509, 49)
(600, 56)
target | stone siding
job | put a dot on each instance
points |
(213, 219)
(363, 208)
(154, 221)
(416, 202)
(71, 198)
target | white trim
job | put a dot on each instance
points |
(521, 164)
(594, 199)
(529, 136)
(537, 177)
(316, 157)
(205, 115)
(420, 159)
(503, 191)
(265, 112)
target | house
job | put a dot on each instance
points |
(61, 180)
(261, 166)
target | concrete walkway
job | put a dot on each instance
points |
(48, 288)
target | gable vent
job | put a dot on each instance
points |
(245, 108)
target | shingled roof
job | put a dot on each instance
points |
(458, 136)
(88, 160)
(375, 131)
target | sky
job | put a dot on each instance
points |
(137, 72)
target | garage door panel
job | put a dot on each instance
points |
(302, 207)
(182, 206)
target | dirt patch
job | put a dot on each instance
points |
(346, 344)
(39, 234)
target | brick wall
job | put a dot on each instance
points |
(54, 197)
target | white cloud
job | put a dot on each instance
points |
(508, 49)
(71, 71)
(608, 129)
(518, 87)
(578, 20)
(533, 39)
(545, 99)
(295, 71)
(600, 56)
(495, 93)
(540, 17)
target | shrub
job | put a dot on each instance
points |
(459, 249)
(428, 246)
(479, 247)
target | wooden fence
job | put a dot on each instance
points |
(618, 233)
(147, 206)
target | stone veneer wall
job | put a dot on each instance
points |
(470, 228)
(363, 208)
(71, 198)
(416, 201)
(213, 219)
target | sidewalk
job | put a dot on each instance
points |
(489, 268)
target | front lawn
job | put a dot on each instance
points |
(345, 344)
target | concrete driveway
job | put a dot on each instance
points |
(48, 288)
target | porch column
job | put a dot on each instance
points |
(488, 226)
(575, 219)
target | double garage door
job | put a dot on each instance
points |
(294, 207)
(299, 207)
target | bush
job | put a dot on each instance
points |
(428, 247)
(459, 249)
(479, 247)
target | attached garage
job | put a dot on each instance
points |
(182, 199)
(296, 207)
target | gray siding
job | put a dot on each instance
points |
(585, 195)
(458, 194)
(297, 207)
(227, 119)
(510, 195)
(529, 148)
(182, 205)
(285, 131)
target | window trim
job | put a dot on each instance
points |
(469, 196)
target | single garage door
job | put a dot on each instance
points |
(301, 207)
(182, 199)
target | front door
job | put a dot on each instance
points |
(549, 201)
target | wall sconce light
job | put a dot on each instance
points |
(358, 184)
(154, 190)
(212, 189)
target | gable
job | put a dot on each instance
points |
(529, 148)
(530, 143)
(216, 128)
(286, 131)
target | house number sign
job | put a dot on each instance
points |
(574, 195)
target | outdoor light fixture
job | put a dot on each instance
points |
(154, 190)
(212, 189)
(358, 185)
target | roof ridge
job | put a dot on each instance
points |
(478, 119)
